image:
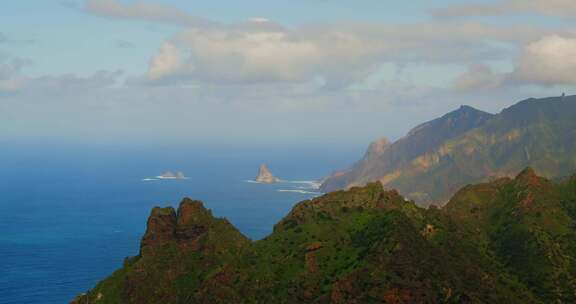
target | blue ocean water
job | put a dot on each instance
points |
(69, 215)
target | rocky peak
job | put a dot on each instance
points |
(193, 212)
(265, 176)
(529, 177)
(377, 148)
(166, 226)
(462, 119)
(160, 229)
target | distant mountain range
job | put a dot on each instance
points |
(507, 241)
(468, 146)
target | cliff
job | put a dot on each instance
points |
(508, 241)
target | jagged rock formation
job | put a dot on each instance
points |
(467, 146)
(507, 241)
(265, 176)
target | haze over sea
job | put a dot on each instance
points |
(70, 214)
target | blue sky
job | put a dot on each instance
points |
(266, 71)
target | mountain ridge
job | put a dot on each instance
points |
(467, 146)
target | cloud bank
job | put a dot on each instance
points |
(141, 10)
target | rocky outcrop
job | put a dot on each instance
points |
(160, 229)
(265, 176)
(183, 228)
(171, 175)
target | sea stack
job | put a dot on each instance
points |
(265, 176)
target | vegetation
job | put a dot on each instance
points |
(506, 241)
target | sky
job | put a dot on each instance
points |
(270, 72)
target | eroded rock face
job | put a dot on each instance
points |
(161, 227)
(265, 176)
(182, 228)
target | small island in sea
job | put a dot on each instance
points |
(265, 176)
(171, 175)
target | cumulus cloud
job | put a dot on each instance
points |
(141, 10)
(239, 56)
(548, 61)
(261, 51)
(564, 8)
(168, 62)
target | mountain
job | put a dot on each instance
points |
(265, 176)
(506, 241)
(468, 146)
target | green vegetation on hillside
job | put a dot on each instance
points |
(507, 241)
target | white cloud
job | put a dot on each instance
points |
(338, 55)
(262, 51)
(564, 8)
(239, 56)
(167, 62)
(548, 61)
(141, 10)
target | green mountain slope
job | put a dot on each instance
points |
(507, 241)
(469, 146)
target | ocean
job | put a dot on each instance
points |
(70, 214)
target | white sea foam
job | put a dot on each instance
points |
(149, 179)
(299, 191)
(166, 178)
(307, 184)
(303, 184)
